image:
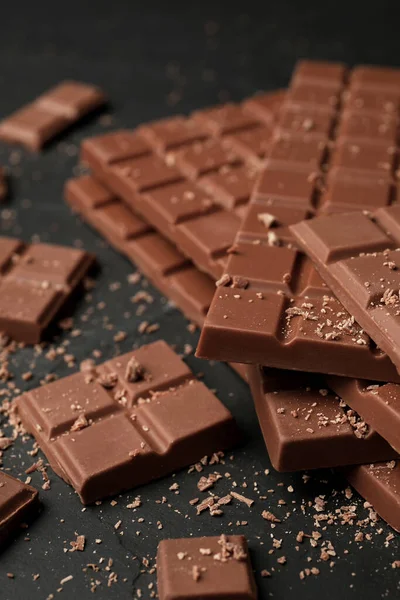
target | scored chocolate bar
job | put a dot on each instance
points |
(36, 282)
(358, 256)
(210, 568)
(190, 177)
(378, 404)
(173, 274)
(51, 113)
(379, 484)
(271, 306)
(306, 427)
(132, 419)
(19, 503)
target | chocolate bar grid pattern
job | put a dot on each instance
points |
(18, 503)
(190, 178)
(134, 431)
(36, 280)
(304, 428)
(358, 256)
(294, 186)
(51, 113)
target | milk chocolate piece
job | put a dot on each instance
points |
(358, 256)
(188, 177)
(51, 113)
(210, 568)
(285, 316)
(378, 404)
(305, 426)
(379, 484)
(19, 503)
(36, 281)
(104, 431)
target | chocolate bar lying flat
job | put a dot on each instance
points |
(210, 568)
(190, 177)
(379, 484)
(51, 113)
(36, 281)
(271, 306)
(19, 503)
(358, 256)
(306, 427)
(134, 418)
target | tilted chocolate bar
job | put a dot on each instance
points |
(379, 484)
(271, 306)
(51, 113)
(19, 503)
(132, 419)
(166, 267)
(210, 568)
(306, 427)
(358, 256)
(190, 177)
(378, 404)
(3, 185)
(36, 281)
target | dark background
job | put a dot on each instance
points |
(155, 59)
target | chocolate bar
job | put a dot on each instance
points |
(378, 404)
(19, 503)
(57, 109)
(379, 484)
(271, 306)
(357, 255)
(306, 427)
(36, 282)
(168, 270)
(132, 419)
(210, 568)
(3, 185)
(189, 177)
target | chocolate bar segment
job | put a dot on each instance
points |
(379, 484)
(284, 315)
(357, 255)
(36, 281)
(378, 404)
(188, 177)
(132, 419)
(51, 113)
(206, 567)
(19, 503)
(305, 426)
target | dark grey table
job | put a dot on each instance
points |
(156, 59)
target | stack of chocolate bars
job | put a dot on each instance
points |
(273, 224)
